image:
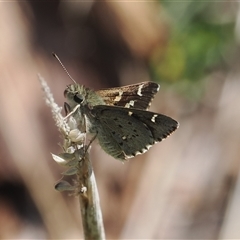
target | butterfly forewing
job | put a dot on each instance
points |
(138, 95)
(124, 133)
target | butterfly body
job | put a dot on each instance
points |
(117, 117)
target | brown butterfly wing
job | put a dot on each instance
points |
(138, 95)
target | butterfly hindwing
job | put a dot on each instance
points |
(124, 133)
(138, 95)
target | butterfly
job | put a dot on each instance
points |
(118, 117)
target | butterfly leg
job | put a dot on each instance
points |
(67, 109)
(91, 141)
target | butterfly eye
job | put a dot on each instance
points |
(77, 98)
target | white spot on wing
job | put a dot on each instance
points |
(130, 113)
(130, 104)
(148, 147)
(136, 153)
(153, 118)
(118, 98)
(139, 92)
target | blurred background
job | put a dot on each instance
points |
(186, 187)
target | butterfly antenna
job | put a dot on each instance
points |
(64, 68)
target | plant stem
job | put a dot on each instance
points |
(89, 202)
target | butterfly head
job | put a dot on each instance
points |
(75, 94)
(79, 95)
